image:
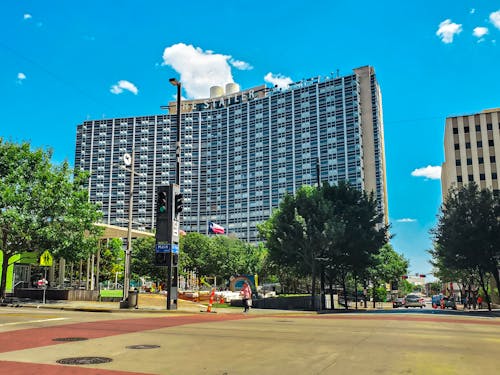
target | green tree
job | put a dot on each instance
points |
(143, 260)
(334, 225)
(388, 267)
(42, 207)
(220, 256)
(467, 233)
(111, 255)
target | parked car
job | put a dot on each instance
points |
(412, 300)
(398, 302)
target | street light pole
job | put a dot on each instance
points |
(172, 270)
(175, 82)
(129, 161)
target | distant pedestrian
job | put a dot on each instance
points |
(466, 302)
(479, 302)
(246, 293)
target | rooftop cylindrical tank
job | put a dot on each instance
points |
(232, 88)
(216, 91)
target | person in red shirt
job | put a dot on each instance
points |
(246, 293)
(480, 302)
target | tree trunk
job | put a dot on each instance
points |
(344, 290)
(496, 276)
(332, 302)
(483, 286)
(356, 290)
(374, 294)
(313, 284)
(5, 264)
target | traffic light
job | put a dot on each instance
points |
(162, 202)
(179, 201)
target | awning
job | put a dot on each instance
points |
(114, 231)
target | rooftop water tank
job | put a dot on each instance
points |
(216, 91)
(232, 88)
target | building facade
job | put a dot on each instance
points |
(472, 149)
(241, 151)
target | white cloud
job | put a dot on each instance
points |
(447, 30)
(278, 80)
(495, 19)
(406, 220)
(27, 16)
(21, 76)
(431, 172)
(479, 32)
(124, 85)
(241, 65)
(198, 69)
(472, 11)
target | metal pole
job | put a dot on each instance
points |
(178, 140)
(126, 277)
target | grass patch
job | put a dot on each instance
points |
(111, 293)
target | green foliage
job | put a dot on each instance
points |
(337, 227)
(220, 256)
(42, 207)
(467, 234)
(111, 255)
(388, 266)
(142, 262)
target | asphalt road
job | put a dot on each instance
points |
(254, 343)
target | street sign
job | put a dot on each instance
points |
(46, 259)
(167, 248)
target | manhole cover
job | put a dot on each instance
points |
(143, 346)
(83, 360)
(70, 339)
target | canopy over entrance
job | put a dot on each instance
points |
(114, 231)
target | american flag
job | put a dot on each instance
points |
(215, 228)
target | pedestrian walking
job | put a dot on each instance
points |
(246, 293)
(479, 302)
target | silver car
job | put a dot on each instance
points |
(412, 300)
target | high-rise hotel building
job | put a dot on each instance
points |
(241, 151)
(472, 151)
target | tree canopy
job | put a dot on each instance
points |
(336, 226)
(43, 207)
(467, 234)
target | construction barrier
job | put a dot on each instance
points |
(211, 300)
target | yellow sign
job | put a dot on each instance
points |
(46, 259)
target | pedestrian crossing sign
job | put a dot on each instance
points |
(46, 259)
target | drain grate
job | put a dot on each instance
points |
(70, 339)
(143, 346)
(83, 360)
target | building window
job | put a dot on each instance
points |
(492, 159)
(457, 146)
(466, 129)
(459, 178)
(478, 128)
(479, 143)
(455, 130)
(482, 176)
(469, 161)
(481, 160)
(489, 126)
(471, 178)
(467, 144)
(458, 163)
(494, 176)
(491, 143)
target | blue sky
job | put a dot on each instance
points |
(63, 62)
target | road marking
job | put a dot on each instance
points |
(32, 321)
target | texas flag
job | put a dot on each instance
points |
(214, 228)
